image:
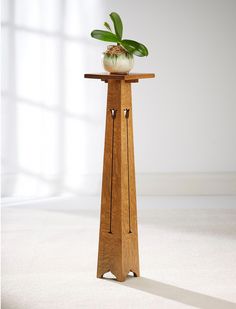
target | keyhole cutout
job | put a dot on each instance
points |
(113, 116)
(126, 114)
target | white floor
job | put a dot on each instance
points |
(187, 254)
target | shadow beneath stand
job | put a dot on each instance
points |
(180, 295)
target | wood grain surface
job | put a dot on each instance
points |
(130, 76)
(118, 237)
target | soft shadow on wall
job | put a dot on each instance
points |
(51, 124)
(53, 119)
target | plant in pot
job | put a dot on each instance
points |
(118, 58)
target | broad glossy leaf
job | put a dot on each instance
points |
(134, 47)
(117, 22)
(104, 36)
(107, 26)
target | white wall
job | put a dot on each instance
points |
(184, 120)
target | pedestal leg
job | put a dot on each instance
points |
(118, 240)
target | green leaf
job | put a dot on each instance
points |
(117, 22)
(134, 47)
(104, 36)
(107, 26)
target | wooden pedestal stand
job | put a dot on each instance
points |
(118, 241)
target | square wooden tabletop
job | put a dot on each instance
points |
(114, 76)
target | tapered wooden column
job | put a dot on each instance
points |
(118, 240)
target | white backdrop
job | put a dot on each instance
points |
(53, 119)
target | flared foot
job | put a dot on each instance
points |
(119, 277)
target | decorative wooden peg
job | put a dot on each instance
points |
(118, 240)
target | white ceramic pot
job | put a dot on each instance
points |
(118, 63)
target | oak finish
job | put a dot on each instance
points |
(118, 239)
(130, 76)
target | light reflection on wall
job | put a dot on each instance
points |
(50, 114)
